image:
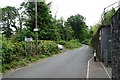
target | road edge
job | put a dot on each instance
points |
(88, 68)
(106, 71)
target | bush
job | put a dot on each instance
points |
(62, 42)
(42, 56)
(48, 48)
(20, 36)
(7, 50)
(72, 44)
(14, 54)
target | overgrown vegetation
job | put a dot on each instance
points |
(107, 16)
(15, 55)
(70, 44)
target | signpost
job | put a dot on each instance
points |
(30, 41)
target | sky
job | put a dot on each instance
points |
(90, 9)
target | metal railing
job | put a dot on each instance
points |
(115, 5)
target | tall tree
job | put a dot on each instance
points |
(45, 22)
(78, 24)
(9, 15)
(65, 30)
(21, 18)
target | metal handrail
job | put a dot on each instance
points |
(104, 11)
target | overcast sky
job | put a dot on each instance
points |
(90, 9)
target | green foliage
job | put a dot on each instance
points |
(73, 44)
(47, 29)
(64, 30)
(9, 15)
(77, 23)
(48, 48)
(25, 32)
(43, 56)
(107, 16)
(7, 50)
(62, 42)
(93, 30)
(70, 44)
(15, 55)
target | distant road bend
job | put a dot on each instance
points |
(71, 64)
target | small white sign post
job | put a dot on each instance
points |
(28, 40)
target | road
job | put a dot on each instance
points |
(71, 64)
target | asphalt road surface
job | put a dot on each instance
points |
(71, 64)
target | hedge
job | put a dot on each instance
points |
(14, 55)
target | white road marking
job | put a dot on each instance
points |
(106, 71)
(88, 68)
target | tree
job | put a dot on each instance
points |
(45, 21)
(68, 31)
(78, 24)
(65, 31)
(21, 18)
(9, 15)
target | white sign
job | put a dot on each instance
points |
(28, 39)
(36, 29)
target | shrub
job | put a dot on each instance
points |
(62, 42)
(42, 56)
(14, 54)
(25, 32)
(6, 51)
(72, 44)
(48, 48)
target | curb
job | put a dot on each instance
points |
(106, 71)
(102, 66)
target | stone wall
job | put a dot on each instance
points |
(115, 36)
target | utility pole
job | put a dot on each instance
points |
(36, 28)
